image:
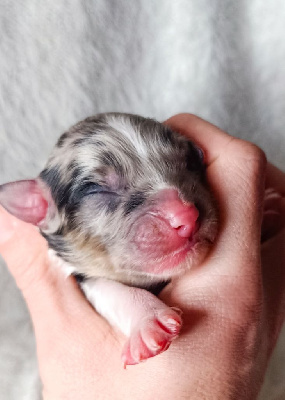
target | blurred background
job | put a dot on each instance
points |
(61, 61)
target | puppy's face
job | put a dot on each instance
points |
(112, 178)
(127, 199)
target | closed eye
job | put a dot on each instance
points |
(90, 188)
(92, 191)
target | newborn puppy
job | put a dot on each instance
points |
(124, 206)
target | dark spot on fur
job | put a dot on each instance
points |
(98, 143)
(63, 194)
(51, 176)
(79, 142)
(57, 243)
(72, 165)
(62, 139)
(60, 190)
(74, 194)
(59, 231)
(77, 174)
(95, 119)
(112, 202)
(166, 136)
(135, 201)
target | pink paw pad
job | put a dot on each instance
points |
(152, 336)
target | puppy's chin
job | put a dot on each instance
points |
(185, 259)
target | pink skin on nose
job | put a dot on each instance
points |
(165, 230)
(181, 217)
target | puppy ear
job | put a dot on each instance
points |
(28, 200)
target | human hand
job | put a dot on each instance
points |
(232, 305)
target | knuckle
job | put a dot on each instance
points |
(251, 159)
(257, 156)
(254, 155)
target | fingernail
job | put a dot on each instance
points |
(272, 194)
(7, 226)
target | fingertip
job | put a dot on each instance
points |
(275, 178)
(273, 215)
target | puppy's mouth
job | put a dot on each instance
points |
(158, 248)
(172, 263)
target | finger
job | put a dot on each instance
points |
(235, 171)
(273, 273)
(201, 132)
(53, 299)
(273, 214)
(273, 252)
(274, 202)
(275, 178)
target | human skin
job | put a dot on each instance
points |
(233, 304)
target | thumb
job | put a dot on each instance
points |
(48, 293)
(66, 326)
(22, 247)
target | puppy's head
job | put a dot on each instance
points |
(122, 197)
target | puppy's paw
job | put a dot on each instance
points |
(152, 336)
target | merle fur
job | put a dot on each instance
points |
(94, 211)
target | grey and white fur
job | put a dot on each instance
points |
(106, 200)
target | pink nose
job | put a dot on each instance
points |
(181, 216)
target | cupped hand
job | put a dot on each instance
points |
(233, 304)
